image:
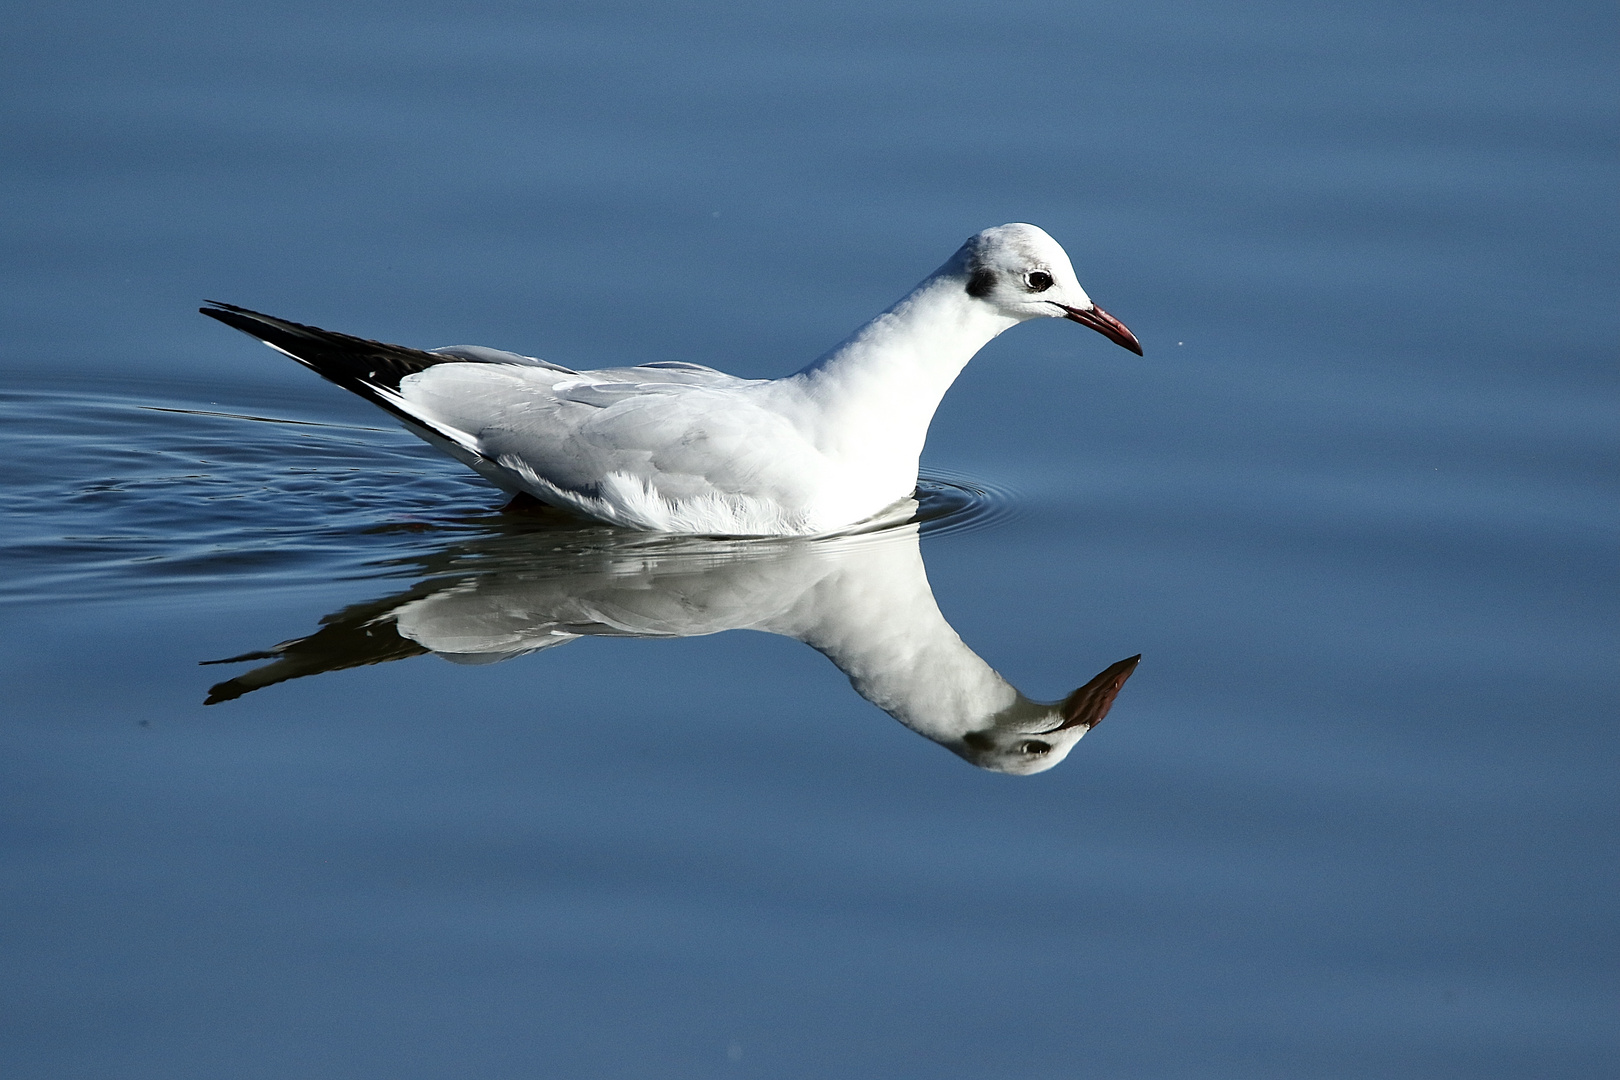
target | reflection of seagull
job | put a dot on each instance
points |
(862, 601)
(679, 448)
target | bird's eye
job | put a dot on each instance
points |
(1034, 746)
(1038, 280)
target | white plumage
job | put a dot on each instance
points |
(681, 448)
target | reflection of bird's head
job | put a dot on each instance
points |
(1030, 737)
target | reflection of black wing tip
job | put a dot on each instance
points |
(244, 658)
(1088, 705)
(229, 690)
(354, 637)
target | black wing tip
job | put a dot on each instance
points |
(216, 307)
(226, 313)
(360, 365)
(245, 319)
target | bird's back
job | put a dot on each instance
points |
(666, 447)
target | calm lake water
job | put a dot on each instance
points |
(1354, 815)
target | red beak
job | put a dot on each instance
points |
(1105, 324)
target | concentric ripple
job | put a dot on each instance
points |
(955, 503)
(113, 494)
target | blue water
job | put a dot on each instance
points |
(1354, 815)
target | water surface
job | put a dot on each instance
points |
(1354, 814)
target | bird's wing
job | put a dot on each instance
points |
(480, 354)
(650, 436)
(701, 433)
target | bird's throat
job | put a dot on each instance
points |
(874, 395)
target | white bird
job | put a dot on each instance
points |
(681, 448)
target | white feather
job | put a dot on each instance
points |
(682, 448)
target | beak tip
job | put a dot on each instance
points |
(1105, 324)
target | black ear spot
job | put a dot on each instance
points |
(982, 281)
(1038, 280)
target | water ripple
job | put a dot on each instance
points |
(953, 503)
(112, 494)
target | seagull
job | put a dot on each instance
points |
(674, 447)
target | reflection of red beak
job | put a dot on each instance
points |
(1105, 324)
(1088, 705)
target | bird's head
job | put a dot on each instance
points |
(1025, 274)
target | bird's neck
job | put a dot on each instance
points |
(873, 614)
(874, 395)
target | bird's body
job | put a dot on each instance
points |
(680, 448)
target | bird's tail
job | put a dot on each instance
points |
(371, 369)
